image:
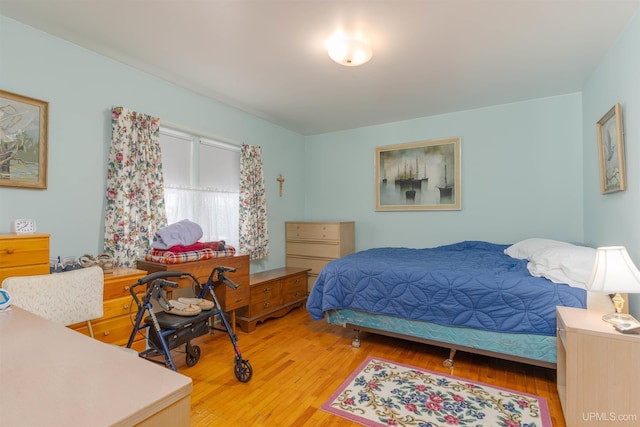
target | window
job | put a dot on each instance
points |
(202, 181)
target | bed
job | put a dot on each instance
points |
(481, 297)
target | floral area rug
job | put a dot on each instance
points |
(385, 393)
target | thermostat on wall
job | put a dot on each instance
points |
(23, 226)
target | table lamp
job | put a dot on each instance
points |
(613, 273)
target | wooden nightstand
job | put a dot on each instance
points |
(597, 370)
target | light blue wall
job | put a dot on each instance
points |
(528, 169)
(614, 219)
(521, 176)
(81, 87)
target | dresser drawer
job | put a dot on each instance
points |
(316, 250)
(294, 288)
(313, 231)
(139, 343)
(265, 292)
(118, 283)
(113, 331)
(24, 250)
(260, 308)
(24, 270)
(316, 265)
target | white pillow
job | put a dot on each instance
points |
(560, 262)
(527, 248)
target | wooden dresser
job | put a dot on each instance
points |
(115, 325)
(230, 299)
(273, 294)
(23, 255)
(313, 244)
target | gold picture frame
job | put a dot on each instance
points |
(611, 151)
(23, 141)
(415, 176)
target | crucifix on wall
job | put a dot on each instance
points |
(280, 180)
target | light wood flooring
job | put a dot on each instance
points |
(298, 363)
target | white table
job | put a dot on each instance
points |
(53, 376)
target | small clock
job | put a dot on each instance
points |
(23, 226)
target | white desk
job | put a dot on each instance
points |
(53, 376)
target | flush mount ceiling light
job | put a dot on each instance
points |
(348, 51)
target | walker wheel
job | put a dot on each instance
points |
(242, 369)
(193, 355)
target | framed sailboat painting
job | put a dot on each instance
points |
(23, 141)
(611, 151)
(418, 176)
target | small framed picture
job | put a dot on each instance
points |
(611, 151)
(23, 141)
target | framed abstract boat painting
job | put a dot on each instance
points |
(418, 176)
(23, 141)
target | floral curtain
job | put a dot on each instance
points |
(135, 207)
(254, 236)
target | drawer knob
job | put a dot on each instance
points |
(295, 281)
(265, 305)
(10, 250)
(126, 288)
(295, 294)
(126, 306)
(106, 333)
(239, 299)
(266, 290)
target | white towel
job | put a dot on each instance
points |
(183, 232)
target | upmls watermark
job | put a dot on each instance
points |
(611, 417)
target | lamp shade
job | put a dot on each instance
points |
(614, 272)
(348, 51)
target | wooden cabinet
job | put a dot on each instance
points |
(23, 255)
(273, 293)
(116, 323)
(596, 375)
(230, 299)
(312, 245)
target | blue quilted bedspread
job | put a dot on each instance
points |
(467, 284)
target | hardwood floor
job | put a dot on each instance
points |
(298, 363)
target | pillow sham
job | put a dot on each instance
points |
(527, 248)
(560, 262)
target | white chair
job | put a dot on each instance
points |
(67, 298)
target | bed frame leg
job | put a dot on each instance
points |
(356, 339)
(448, 363)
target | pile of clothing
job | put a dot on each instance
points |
(180, 242)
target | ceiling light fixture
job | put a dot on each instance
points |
(348, 51)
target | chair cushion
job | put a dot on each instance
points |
(67, 298)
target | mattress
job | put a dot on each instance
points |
(467, 285)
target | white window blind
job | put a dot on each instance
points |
(202, 180)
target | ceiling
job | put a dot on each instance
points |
(268, 57)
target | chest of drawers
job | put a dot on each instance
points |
(313, 244)
(23, 255)
(273, 293)
(115, 325)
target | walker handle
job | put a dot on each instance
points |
(157, 275)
